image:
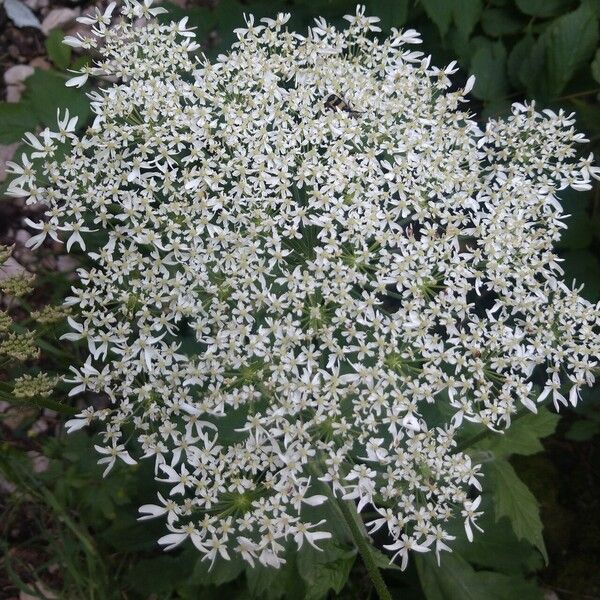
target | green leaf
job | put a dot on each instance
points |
(497, 22)
(15, 120)
(383, 560)
(326, 569)
(596, 66)
(513, 499)
(583, 430)
(455, 579)
(160, 575)
(580, 229)
(222, 571)
(392, 14)
(46, 92)
(543, 8)
(59, 53)
(267, 583)
(523, 436)
(497, 548)
(519, 56)
(466, 14)
(563, 48)
(440, 12)
(488, 64)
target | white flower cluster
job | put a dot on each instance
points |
(309, 263)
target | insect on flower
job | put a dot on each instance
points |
(335, 102)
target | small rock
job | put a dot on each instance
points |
(40, 462)
(36, 4)
(22, 236)
(66, 264)
(17, 74)
(40, 63)
(14, 92)
(11, 268)
(59, 17)
(6, 153)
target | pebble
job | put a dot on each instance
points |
(17, 74)
(40, 63)
(59, 17)
(6, 153)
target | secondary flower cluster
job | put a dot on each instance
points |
(310, 266)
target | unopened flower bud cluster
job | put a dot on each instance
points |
(289, 290)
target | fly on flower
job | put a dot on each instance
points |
(337, 103)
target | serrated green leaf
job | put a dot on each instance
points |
(596, 66)
(455, 579)
(513, 499)
(466, 14)
(497, 548)
(543, 8)
(383, 560)
(440, 12)
(563, 48)
(324, 570)
(519, 56)
(222, 571)
(46, 91)
(497, 22)
(523, 436)
(15, 120)
(267, 583)
(59, 53)
(488, 64)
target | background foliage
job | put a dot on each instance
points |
(76, 534)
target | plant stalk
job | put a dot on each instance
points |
(364, 550)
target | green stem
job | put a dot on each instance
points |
(364, 549)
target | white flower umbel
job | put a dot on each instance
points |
(308, 263)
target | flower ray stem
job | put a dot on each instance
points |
(364, 549)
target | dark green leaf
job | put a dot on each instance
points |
(580, 229)
(326, 569)
(392, 14)
(466, 15)
(383, 560)
(59, 53)
(596, 66)
(497, 548)
(222, 571)
(519, 56)
(513, 499)
(488, 64)
(498, 21)
(15, 120)
(440, 12)
(271, 584)
(543, 8)
(583, 430)
(162, 574)
(563, 48)
(523, 436)
(46, 92)
(455, 579)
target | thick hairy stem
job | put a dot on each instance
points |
(364, 548)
